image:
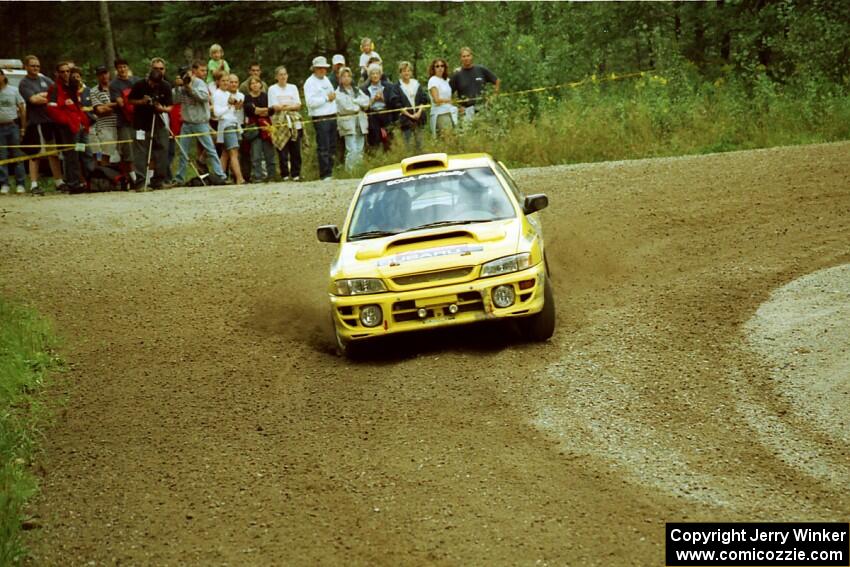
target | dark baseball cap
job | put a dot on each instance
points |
(101, 69)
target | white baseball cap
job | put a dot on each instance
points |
(338, 59)
(320, 61)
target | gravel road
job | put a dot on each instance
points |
(207, 420)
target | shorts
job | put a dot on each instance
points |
(103, 141)
(41, 135)
(231, 138)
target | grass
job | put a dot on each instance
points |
(652, 116)
(25, 360)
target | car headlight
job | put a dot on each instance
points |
(359, 286)
(506, 265)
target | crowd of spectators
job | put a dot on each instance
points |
(126, 130)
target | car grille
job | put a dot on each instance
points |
(428, 277)
(466, 302)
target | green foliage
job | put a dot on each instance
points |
(525, 43)
(25, 359)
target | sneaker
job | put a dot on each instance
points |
(20, 190)
(215, 180)
(5, 190)
(35, 189)
(63, 188)
(297, 178)
(328, 178)
(287, 178)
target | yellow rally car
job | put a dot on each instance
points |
(438, 240)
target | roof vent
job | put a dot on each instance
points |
(416, 164)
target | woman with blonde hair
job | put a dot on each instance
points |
(351, 123)
(216, 62)
(412, 105)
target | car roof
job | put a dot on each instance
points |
(452, 162)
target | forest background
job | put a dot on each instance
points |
(718, 75)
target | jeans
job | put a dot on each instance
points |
(414, 135)
(468, 114)
(291, 151)
(10, 135)
(262, 152)
(205, 141)
(353, 150)
(325, 144)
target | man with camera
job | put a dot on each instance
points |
(195, 103)
(151, 99)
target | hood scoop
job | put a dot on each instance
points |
(379, 247)
(428, 238)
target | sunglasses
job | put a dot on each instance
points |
(439, 65)
(158, 68)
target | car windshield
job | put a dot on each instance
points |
(429, 199)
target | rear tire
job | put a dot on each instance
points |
(540, 326)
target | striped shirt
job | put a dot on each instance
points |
(101, 96)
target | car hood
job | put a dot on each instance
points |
(427, 250)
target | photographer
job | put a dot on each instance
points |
(195, 111)
(151, 99)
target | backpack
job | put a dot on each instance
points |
(105, 178)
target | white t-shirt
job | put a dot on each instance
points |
(287, 95)
(444, 91)
(227, 113)
(409, 90)
(364, 57)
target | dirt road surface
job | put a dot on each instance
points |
(208, 421)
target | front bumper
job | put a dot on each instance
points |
(473, 299)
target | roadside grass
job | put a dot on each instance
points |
(653, 116)
(26, 357)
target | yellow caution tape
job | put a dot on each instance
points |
(58, 148)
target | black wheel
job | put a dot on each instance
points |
(349, 349)
(540, 326)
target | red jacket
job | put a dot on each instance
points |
(70, 115)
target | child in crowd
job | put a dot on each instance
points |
(368, 52)
(216, 62)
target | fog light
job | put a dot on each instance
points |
(452, 308)
(422, 312)
(371, 315)
(503, 295)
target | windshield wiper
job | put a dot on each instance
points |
(372, 234)
(449, 223)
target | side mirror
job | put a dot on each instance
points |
(328, 233)
(534, 203)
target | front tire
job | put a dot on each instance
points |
(540, 326)
(346, 348)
